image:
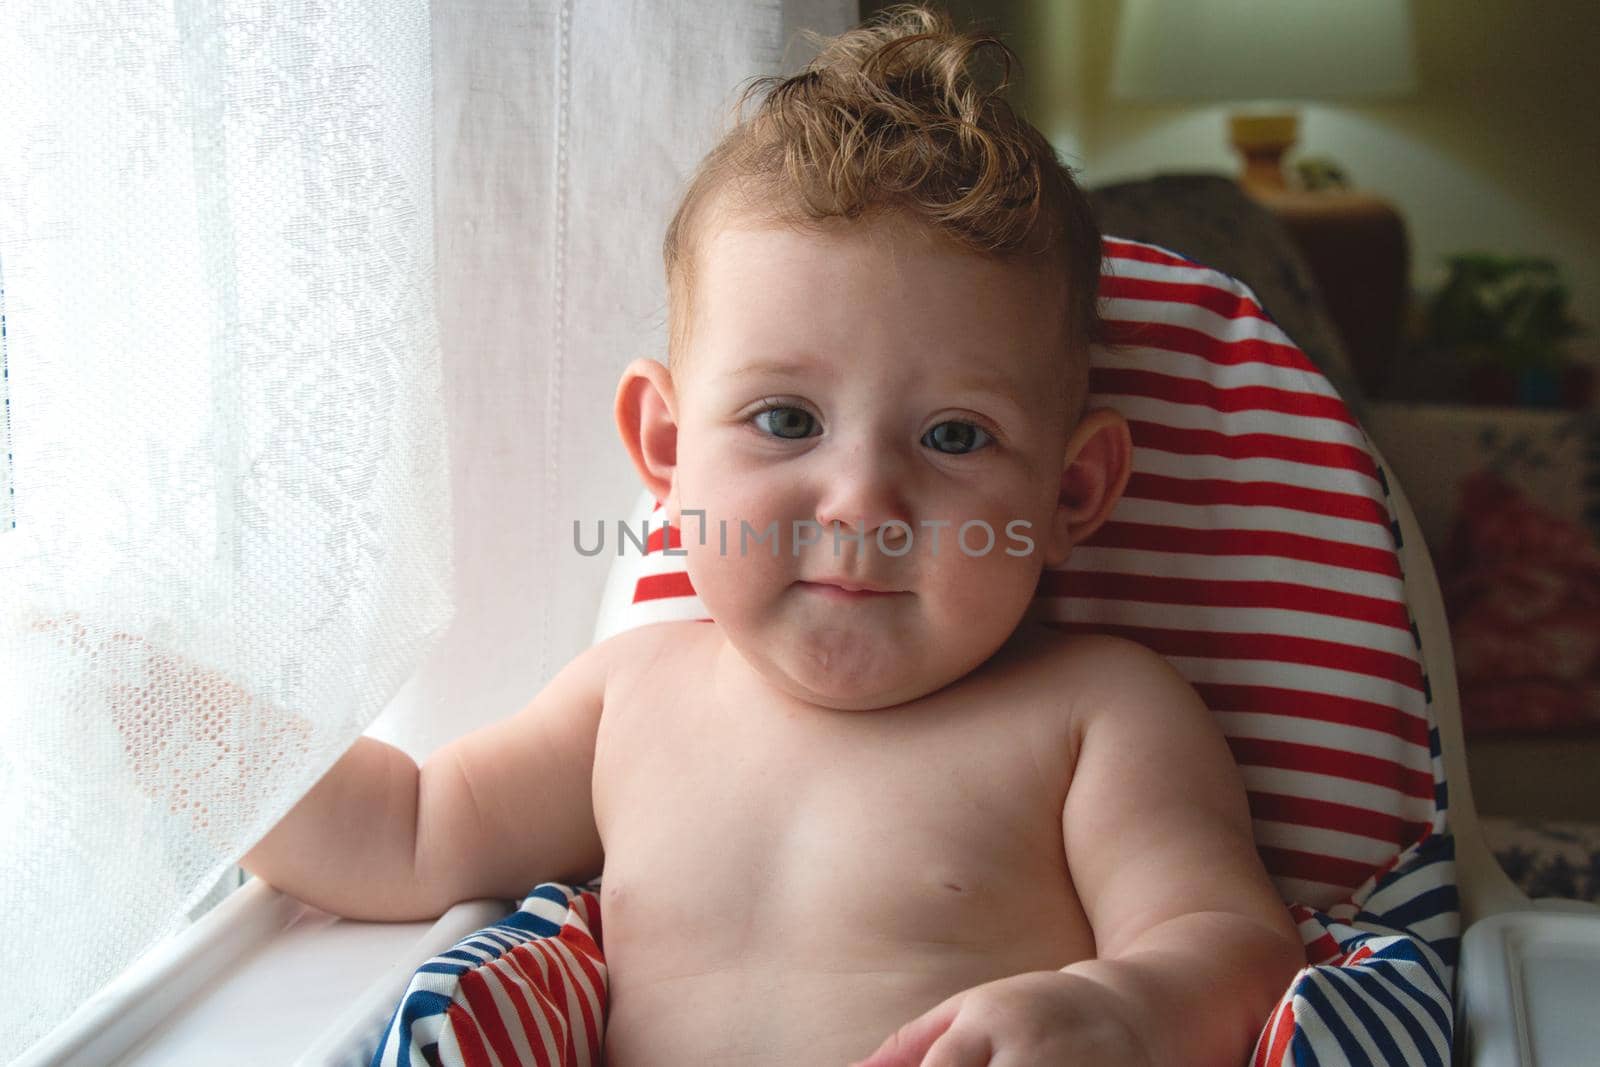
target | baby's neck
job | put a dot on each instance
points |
(735, 678)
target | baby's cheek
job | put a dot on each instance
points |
(732, 578)
(994, 588)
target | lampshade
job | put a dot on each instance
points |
(1263, 49)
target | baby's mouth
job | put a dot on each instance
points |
(840, 588)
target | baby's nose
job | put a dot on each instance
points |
(867, 494)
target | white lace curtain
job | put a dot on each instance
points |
(229, 530)
(234, 241)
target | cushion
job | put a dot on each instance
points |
(531, 989)
(1211, 219)
(1255, 549)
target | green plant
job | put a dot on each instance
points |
(1319, 173)
(1509, 310)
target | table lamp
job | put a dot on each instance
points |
(1267, 55)
(1260, 51)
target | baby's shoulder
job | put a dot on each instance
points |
(1084, 656)
(657, 652)
(658, 636)
(1099, 675)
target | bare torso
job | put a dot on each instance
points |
(785, 884)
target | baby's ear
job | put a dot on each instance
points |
(1099, 458)
(647, 418)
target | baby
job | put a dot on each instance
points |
(869, 814)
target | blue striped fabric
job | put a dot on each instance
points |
(1385, 998)
(531, 989)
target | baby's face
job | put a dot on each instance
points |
(872, 384)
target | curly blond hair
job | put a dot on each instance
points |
(901, 115)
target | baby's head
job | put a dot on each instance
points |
(895, 120)
(871, 428)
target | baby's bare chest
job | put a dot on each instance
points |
(736, 834)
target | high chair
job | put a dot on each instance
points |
(1265, 549)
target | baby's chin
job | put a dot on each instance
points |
(853, 687)
(848, 698)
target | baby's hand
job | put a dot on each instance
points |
(1021, 1021)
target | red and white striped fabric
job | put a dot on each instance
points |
(531, 989)
(1255, 549)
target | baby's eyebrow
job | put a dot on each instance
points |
(992, 384)
(778, 368)
(996, 389)
(975, 383)
(978, 385)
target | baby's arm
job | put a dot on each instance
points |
(489, 815)
(1189, 930)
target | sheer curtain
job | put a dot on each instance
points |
(229, 530)
(300, 302)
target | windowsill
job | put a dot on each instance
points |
(261, 975)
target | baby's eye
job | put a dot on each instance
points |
(957, 438)
(786, 422)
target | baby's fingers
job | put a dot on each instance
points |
(959, 1047)
(909, 1045)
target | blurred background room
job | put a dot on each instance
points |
(1408, 189)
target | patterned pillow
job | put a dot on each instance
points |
(1255, 549)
